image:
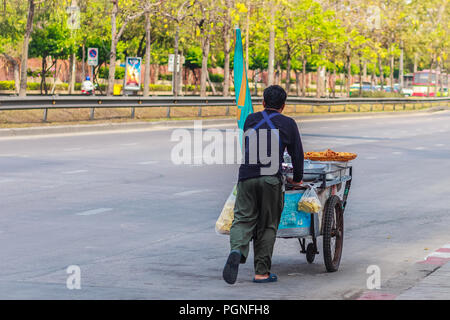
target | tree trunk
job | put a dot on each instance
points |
(391, 76)
(442, 76)
(333, 81)
(429, 76)
(56, 76)
(278, 74)
(400, 68)
(436, 83)
(226, 67)
(255, 83)
(415, 61)
(247, 29)
(26, 41)
(360, 76)
(348, 75)
(304, 77)
(318, 82)
(204, 73)
(297, 82)
(83, 62)
(271, 62)
(16, 77)
(113, 54)
(365, 69)
(72, 72)
(42, 86)
(16, 71)
(288, 73)
(147, 54)
(175, 61)
(213, 89)
(380, 66)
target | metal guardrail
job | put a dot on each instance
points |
(93, 102)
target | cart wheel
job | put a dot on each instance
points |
(310, 253)
(333, 233)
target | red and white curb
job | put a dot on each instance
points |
(438, 258)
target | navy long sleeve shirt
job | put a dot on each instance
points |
(289, 138)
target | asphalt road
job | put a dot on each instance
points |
(140, 227)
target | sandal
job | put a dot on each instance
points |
(272, 278)
(230, 271)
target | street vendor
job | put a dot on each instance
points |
(260, 196)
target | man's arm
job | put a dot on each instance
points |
(295, 150)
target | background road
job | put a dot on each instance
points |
(140, 227)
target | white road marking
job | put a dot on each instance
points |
(6, 180)
(188, 193)
(396, 152)
(72, 149)
(440, 255)
(94, 211)
(420, 148)
(129, 144)
(371, 158)
(147, 162)
(75, 171)
(439, 145)
(10, 155)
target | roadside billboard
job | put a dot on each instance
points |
(133, 68)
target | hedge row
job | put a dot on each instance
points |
(9, 85)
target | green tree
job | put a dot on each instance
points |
(53, 42)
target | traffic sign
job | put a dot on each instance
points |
(92, 57)
(73, 19)
(172, 62)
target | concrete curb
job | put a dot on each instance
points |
(435, 286)
(104, 127)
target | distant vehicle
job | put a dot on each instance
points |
(407, 92)
(424, 83)
(87, 87)
(366, 86)
(395, 89)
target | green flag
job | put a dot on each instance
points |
(241, 88)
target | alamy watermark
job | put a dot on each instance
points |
(374, 280)
(74, 279)
(213, 146)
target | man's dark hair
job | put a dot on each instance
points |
(275, 97)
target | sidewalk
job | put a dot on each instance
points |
(436, 286)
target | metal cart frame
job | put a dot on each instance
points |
(329, 222)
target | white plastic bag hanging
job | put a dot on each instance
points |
(225, 220)
(310, 202)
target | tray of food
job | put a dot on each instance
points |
(330, 155)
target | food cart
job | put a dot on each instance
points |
(331, 181)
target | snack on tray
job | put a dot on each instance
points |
(330, 155)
